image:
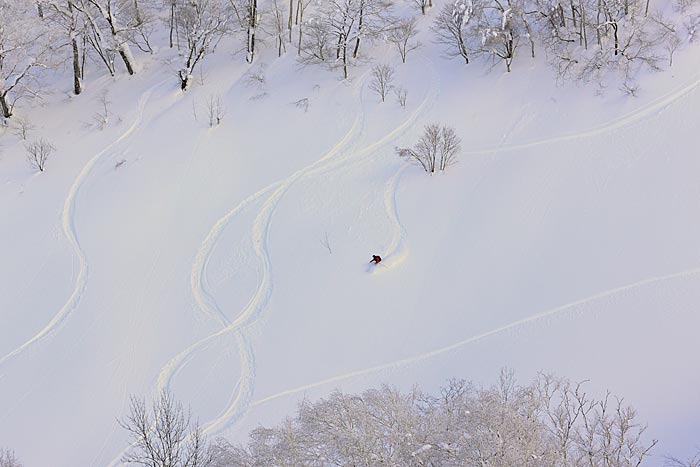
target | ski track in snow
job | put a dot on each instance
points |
(654, 107)
(242, 396)
(243, 399)
(260, 231)
(395, 365)
(68, 225)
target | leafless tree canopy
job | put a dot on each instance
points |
(548, 423)
(436, 149)
(402, 36)
(401, 94)
(38, 152)
(8, 459)
(215, 110)
(164, 436)
(382, 77)
(690, 462)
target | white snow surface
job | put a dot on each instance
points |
(159, 253)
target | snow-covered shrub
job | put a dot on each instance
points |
(437, 148)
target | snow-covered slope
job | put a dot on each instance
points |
(229, 265)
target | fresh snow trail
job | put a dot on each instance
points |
(507, 327)
(652, 108)
(397, 251)
(261, 230)
(205, 302)
(260, 233)
(68, 224)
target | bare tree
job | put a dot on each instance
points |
(25, 49)
(248, 17)
(437, 148)
(382, 77)
(101, 117)
(8, 459)
(402, 37)
(336, 26)
(422, 4)
(451, 28)
(38, 152)
(401, 94)
(672, 44)
(23, 127)
(675, 462)
(110, 11)
(278, 26)
(203, 23)
(215, 110)
(302, 5)
(65, 16)
(450, 146)
(164, 435)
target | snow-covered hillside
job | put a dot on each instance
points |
(229, 264)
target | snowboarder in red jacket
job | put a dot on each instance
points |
(376, 259)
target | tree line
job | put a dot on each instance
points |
(582, 39)
(549, 422)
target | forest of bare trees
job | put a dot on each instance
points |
(550, 422)
(583, 40)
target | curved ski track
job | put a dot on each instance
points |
(261, 227)
(648, 110)
(260, 231)
(68, 225)
(470, 340)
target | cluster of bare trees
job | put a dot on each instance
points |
(436, 149)
(583, 38)
(550, 422)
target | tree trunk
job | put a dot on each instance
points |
(300, 14)
(289, 23)
(252, 23)
(172, 22)
(345, 61)
(125, 54)
(137, 13)
(77, 73)
(359, 31)
(6, 111)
